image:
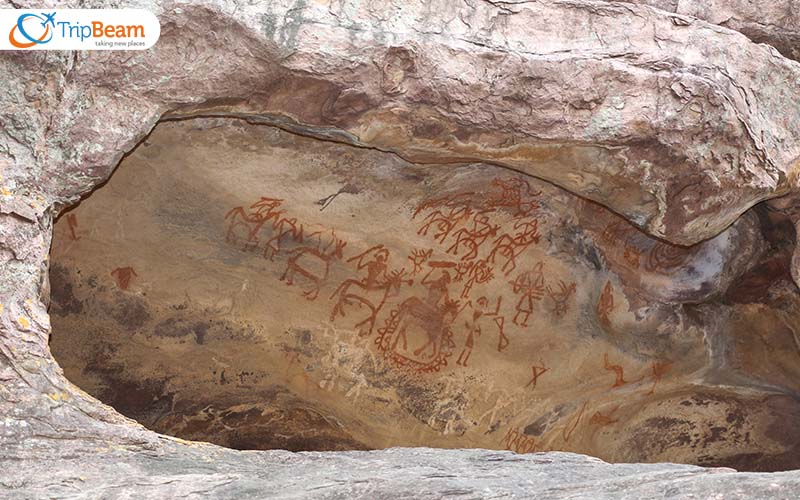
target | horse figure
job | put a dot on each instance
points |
(433, 320)
(313, 264)
(482, 229)
(512, 247)
(372, 295)
(252, 222)
(281, 229)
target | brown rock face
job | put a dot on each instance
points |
(525, 226)
(243, 285)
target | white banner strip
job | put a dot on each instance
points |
(78, 29)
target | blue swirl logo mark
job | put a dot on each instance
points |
(42, 35)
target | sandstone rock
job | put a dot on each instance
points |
(637, 107)
(208, 472)
(774, 23)
(244, 285)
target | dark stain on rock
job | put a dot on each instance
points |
(424, 403)
(279, 421)
(417, 400)
(142, 400)
(203, 330)
(538, 427)
(754, 285)
(130, 311)
(200, 330)
(182, 327)
(63, 301)
(657, 434)
(173, 327)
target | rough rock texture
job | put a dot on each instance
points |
(774, 23)
(612, 116)
(398, 473)
(674, 124)
(243, 285)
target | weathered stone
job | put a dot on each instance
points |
(208, 472)
(653, 96)
(774, 23)
(232, 280)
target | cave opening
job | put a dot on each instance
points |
(240, 284)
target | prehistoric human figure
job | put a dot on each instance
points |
(479, 310)
(479, 272)
(313, 263)
(618, 370)
(660, 368)
(561, 297)
(419, 257)
(372, 291)
(605, 305)
(123, 276)
(530, 288)
(72, 222)
(536, 372)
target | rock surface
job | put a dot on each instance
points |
(398, 473)
(239, 284)
(646, 95)
(774, 23)
(644, 123)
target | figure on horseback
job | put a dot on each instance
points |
(372, 291)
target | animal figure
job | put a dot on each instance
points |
(417, 333)
(313, 264)
(246, 225)
(602, 419)
(434, 321)
(281, 229)
(514, 194)
(372, 291)
(511, 246)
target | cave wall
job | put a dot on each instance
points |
(240, 284)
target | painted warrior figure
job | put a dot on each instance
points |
(479, 310)
(530, 287)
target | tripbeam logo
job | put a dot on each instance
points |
(78, 29)
(40, 23)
